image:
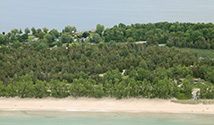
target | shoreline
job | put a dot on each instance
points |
(133, 105)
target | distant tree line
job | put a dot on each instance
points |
(177, 34)
(192, 35)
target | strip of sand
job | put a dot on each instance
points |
(103, 105)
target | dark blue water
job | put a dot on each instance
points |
(86, 14)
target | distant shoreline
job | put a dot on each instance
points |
(102, 105)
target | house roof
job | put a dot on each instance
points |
(161, 44)
(141, 42)
(93, 31)
(195, 79)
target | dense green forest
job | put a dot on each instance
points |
(61, 72)
(90, 64)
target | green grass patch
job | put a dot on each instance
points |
(31, 36)
(125, 77)
(200, 52)
(206, 102)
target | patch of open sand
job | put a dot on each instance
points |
(103, 105)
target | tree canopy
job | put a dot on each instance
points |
(107, 63)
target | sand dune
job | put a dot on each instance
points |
(104, 104)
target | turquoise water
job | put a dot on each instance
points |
(101, 118)
(86, 14)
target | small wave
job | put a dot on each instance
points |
(84, 110)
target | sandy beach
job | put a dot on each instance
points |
(103, 105)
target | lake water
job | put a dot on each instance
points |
(86, 14)
(101, 118)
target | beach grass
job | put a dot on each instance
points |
(205, 102)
